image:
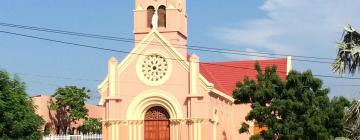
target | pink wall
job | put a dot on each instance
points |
(42, 102)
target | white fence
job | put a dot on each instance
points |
(74, 137)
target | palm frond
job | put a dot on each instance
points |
(348, 55)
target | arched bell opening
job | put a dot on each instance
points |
(150, 13)
(162, 16)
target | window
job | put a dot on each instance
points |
(162, 16)
(150, 13)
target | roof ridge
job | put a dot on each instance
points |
(246, 60)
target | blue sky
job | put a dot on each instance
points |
(306, 27)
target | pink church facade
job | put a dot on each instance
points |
(159, 92)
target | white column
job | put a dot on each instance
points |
(172, 130)
(191, 131)
(112, 130)
(195, 131)
(199, 130)
(139, 130)
(214, 130)
(130, 131)
(134, 131)
(177, 131)
(117, 130)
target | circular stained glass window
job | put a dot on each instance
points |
(154, 67)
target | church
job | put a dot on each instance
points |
(160, 92)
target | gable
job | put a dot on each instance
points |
(153, 38)
(153, 42)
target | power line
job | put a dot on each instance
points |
(126, 52)
(129, 82)
(191, 47)
(93, 93)
(347, 85)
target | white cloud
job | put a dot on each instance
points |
(301, 27)
(298, 27)
(251, 55)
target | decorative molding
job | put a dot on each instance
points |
(147, 99)
(194, 96)
(113, 98)
(177, 121)
(194, 120)
(135, 122)
(113, 122)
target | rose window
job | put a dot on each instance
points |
(154, 67)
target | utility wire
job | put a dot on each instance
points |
(127, 81)
(191, 47)
(126, 52)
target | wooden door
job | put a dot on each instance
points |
(157, 124)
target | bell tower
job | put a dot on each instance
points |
(170, 21)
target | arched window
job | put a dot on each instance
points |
(162, 16)
(150, 13)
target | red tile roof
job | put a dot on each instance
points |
(224, 75)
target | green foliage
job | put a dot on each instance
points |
(69, 103)
(297, 108)
(255, 137)
(91, 126)
(244, 127)
(18, 119)
(352, 121)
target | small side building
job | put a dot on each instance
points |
(42, 104)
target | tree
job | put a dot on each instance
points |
(348, 56)
(297, 108)
(91, 126)
(69, 103)
(352, 121)
(18, 119)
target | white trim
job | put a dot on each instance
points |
(142, 102)
(210, 86)
(288, 65)
(102, 89)
(102, 84)
(205, 83)
(222, 94)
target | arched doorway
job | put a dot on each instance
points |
(157, 124)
